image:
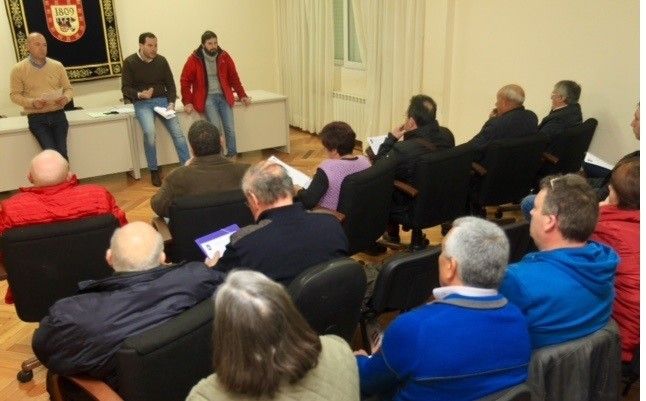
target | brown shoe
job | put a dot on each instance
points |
(155, 178)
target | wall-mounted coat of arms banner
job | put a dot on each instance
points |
(81, 34)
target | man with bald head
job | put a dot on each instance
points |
(509, 119)
(40, 85)
(82, 333)
(56, 195)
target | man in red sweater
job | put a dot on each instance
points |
(55, 196)
(618, 227)
(207, 80)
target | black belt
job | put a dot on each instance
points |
(45, 113)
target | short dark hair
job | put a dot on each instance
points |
(208, 35)
(625, 182)
(340, 136)
(143, 36)
(204, 138)
(422, 109)
(260, 339)
(570, 90)
(574, 202)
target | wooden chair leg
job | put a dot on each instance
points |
(26, 369)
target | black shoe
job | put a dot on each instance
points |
(155, 178)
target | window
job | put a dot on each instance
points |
(346, 44)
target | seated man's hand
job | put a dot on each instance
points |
(61, 101)
(188, 108)
(246, 100)
(211, 262)
(38, 103)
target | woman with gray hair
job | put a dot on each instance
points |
(263, 349)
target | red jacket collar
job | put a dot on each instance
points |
(73, 181)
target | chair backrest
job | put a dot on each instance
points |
(570, 148)
(45, 262)
(519, 392)
(329, 295)
(442, 179)
(519, 239)
(586, 369)
(194, 216)
(365, 198)
(406, 280)
(166, 361)
(512, 165)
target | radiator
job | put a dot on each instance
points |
(349, 108)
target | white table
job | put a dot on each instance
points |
(95, 145)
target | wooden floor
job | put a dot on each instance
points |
(133, 196)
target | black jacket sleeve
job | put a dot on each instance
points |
(311, 196)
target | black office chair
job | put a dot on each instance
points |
(507, 171)
(192, 217)
(565, 152)
(160, 364)
(364, 203)
(405, 281)
(519, 240)
(45, 262)
(441, 189)
(329, 296)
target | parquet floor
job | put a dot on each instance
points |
(133, 197)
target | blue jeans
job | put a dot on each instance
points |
(50, 130)
(526, 206)
(219, 113)
(146, 117)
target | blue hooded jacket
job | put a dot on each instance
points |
(565, 293)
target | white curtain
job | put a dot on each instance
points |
(391, 40)
(306, 60)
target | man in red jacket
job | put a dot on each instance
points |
(207, 80)
(618, 227)
(55, 196)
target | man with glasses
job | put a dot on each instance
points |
(565, 111)
(566, 288)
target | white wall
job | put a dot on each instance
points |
(245, 28)
(537, 43)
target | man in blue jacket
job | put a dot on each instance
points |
(566, 289)
(467, 344)
(82, 333)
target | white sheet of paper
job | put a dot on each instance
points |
(298, 177)
(52, 95)
(217, 241)
(596, 160)
(375, 142)
(164, 112)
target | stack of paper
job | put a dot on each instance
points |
(596, 160)
(298, 177)
(164, 112)
(217, 241)
(52, 95)
(375, 142)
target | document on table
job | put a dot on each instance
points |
(217, 241)
(375, 142)
(52, 95)
(164, 112)
(298, 177)
(597, 161)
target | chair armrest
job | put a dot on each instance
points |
(406, 188)
(479, 169)
(160, 225)
(320, 209)
(550, 158)
(96, 389)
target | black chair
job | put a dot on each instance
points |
(45, 262)
(364, 203)
(192, 217)
(630, 372)
(585, 369)
(507, 171)
(566, 152)
(519, 392)
(441, 189)
(162, 363)
(329, 296)
(405, 281)
(519, 240)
